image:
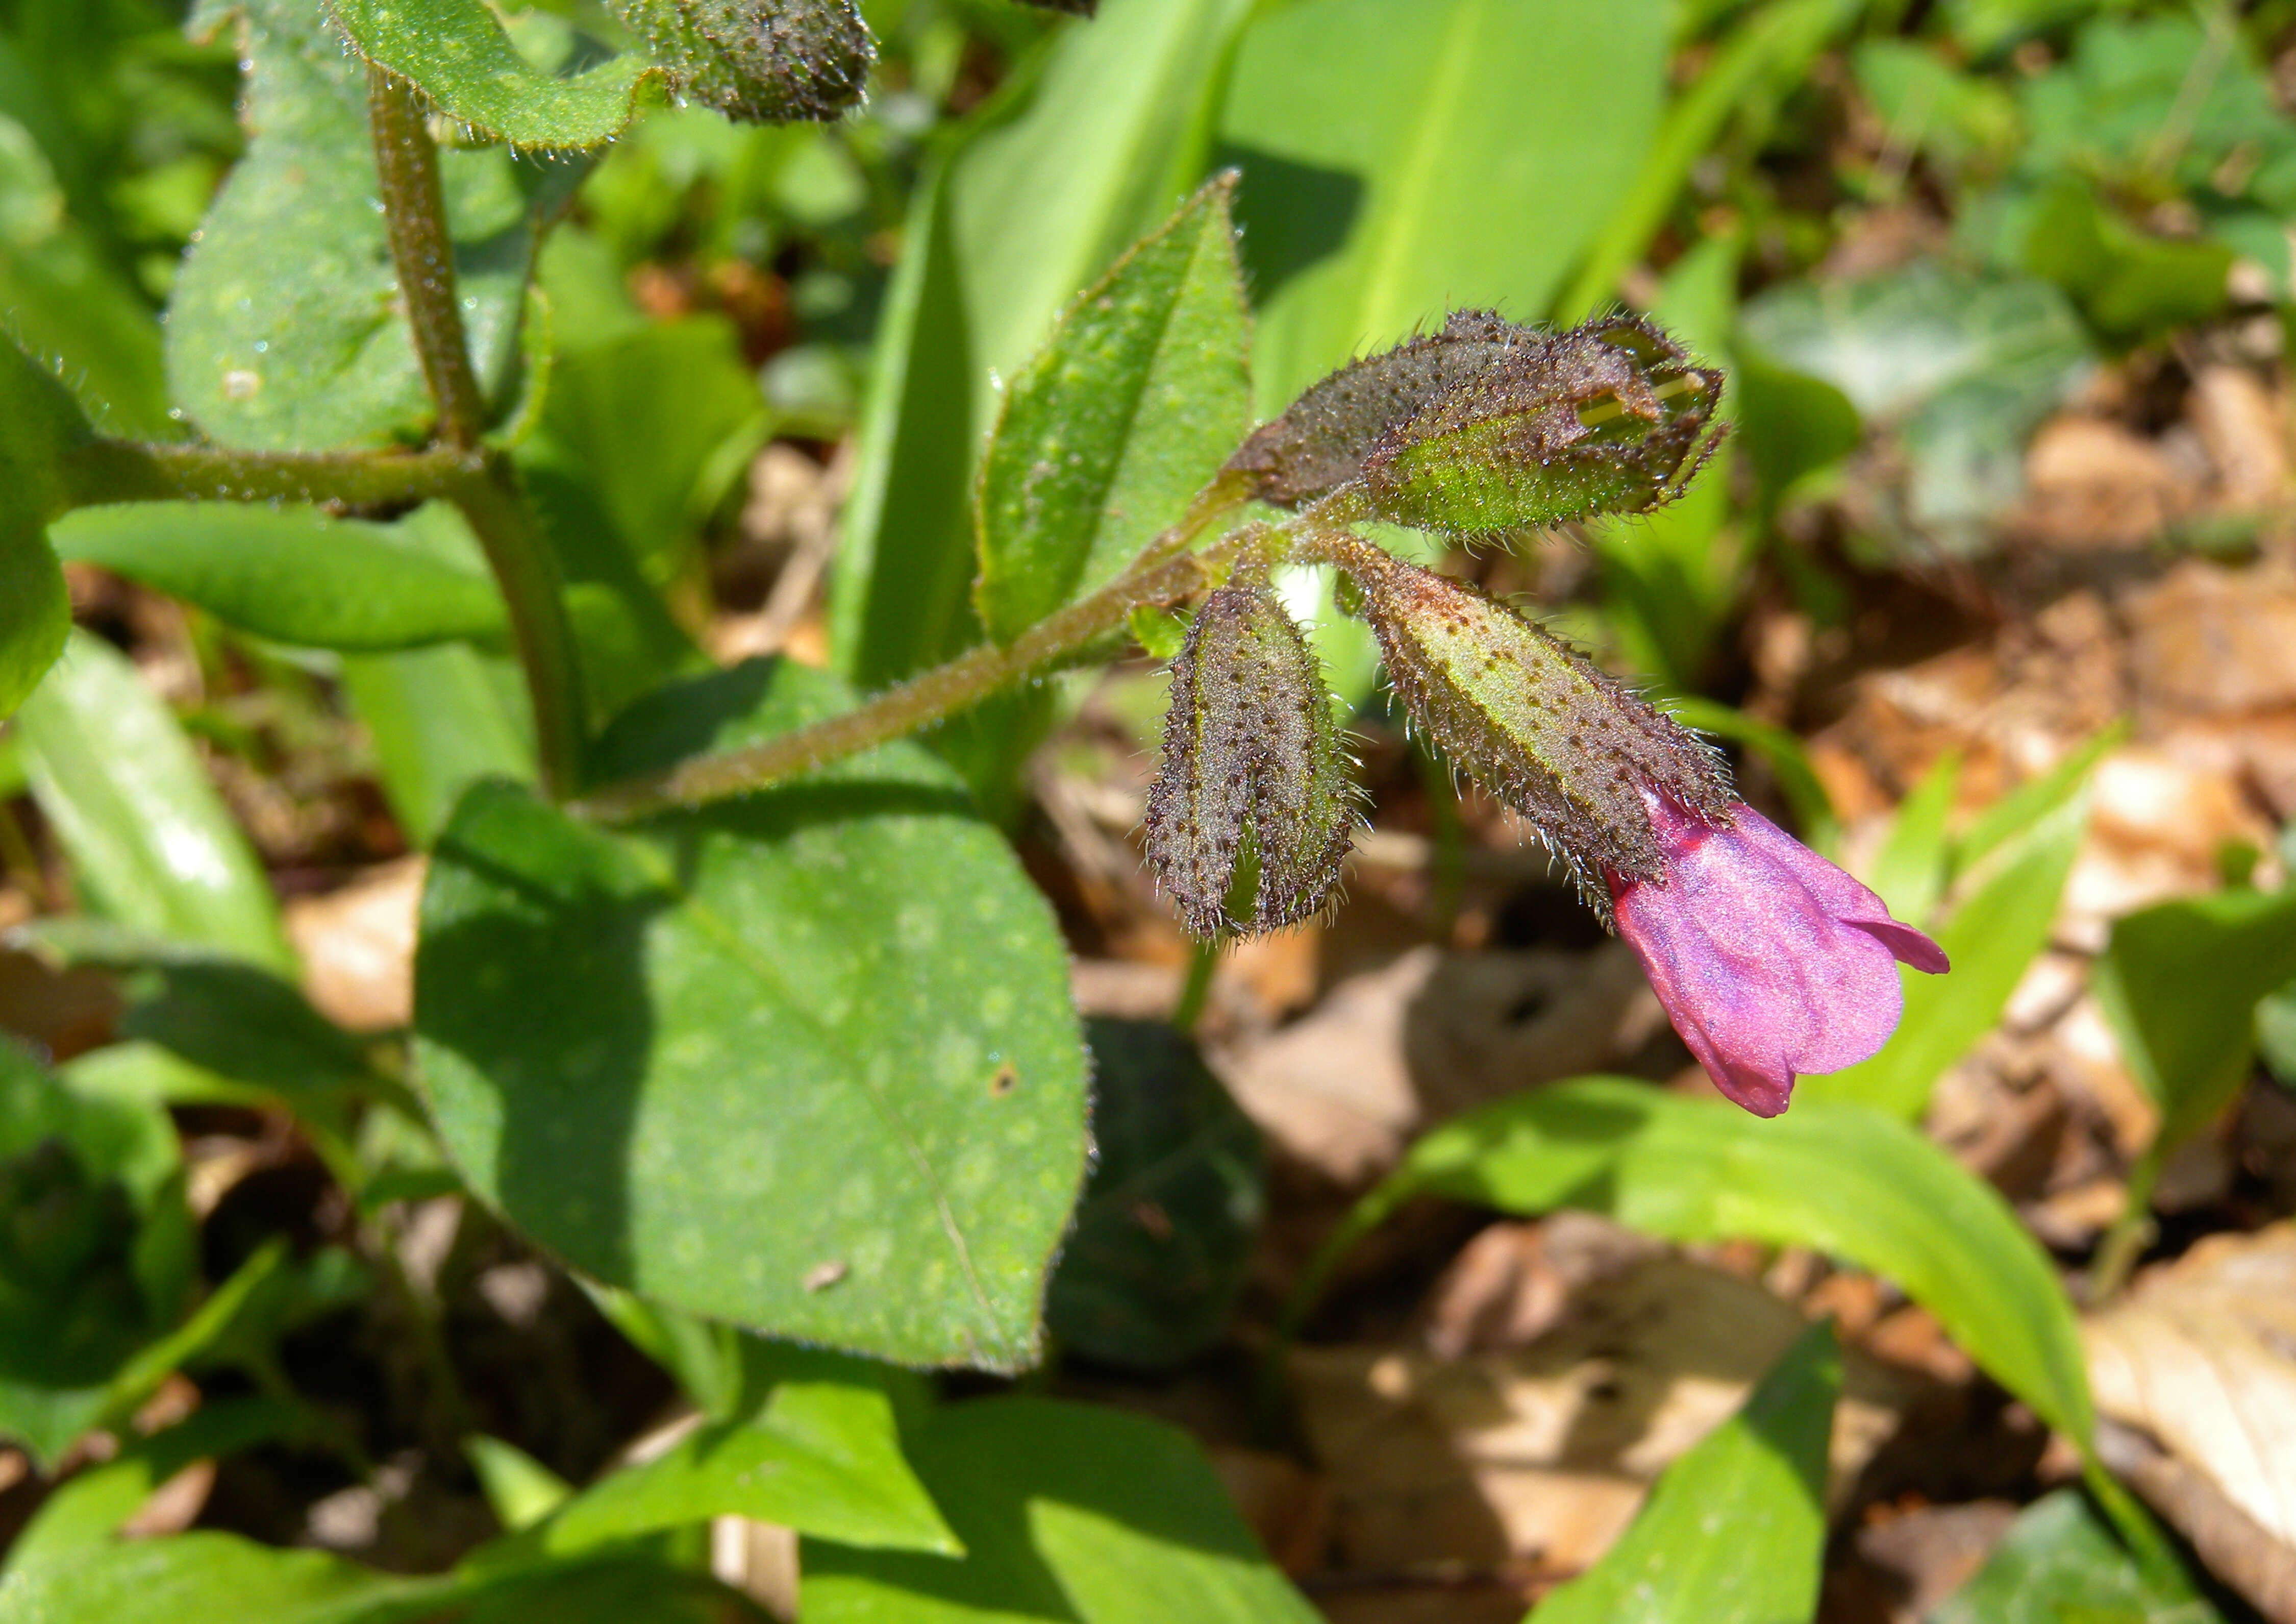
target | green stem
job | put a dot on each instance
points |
(414, 212)
(2131, 1233)
(487, 488)
(1203, 959)
(493, 500)
(1157, 579)
(125, 470)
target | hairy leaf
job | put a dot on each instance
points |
(1141, 390)
(804, 1061)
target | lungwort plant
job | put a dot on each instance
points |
(731, 1001)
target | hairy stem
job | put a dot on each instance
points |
(486, 487)
(414, 211)
(1159, 578)
(127, 471)
(493, 500)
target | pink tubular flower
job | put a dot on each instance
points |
(1770, 960)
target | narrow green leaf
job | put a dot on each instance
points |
(1047, 187)
(519, 1489)
(1067, 1512)
(1142, 392)
(1841, 1179)
(150, 842)
(1734, 1531)
(1991, 937)
(821, 1457)
(293, 574)
(2060, 1565)
(310, 350)
(38, 423)
(1395, 167)
(804, 1063)
(1775, 44)
(2016, 813)
(1909, 870)
(2181, 982)
(440, 719)
(458, 54)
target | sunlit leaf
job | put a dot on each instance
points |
(150, 839)
(1840, 1179)
(1067, 1512)
(1142, 392)
(804, 1061)
(1734, 1531)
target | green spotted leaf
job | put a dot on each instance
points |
(308, 349)
(805, 1063)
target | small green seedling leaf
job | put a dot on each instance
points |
(1734, 1531)
(2059, 1562)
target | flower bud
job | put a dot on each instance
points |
(1487, 426)
(1607, 418)
(760, 61)
(1569, 746)
(1250, 817)
(1320, 443)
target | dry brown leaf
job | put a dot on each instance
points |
(1389, 1052)
(1543, 1453)
(2202, 1354)
(357, 947)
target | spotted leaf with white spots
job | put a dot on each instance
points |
(805, 1063)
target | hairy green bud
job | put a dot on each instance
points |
(1487, 426)
(1607, 418)
(761, 61)
(1252, 815)
(1568, 746)
(1319, 444)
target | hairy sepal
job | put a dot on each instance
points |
(1569, 747)
(760, 61)
(1254, 774)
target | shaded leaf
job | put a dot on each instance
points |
(150, 842)
(292, 574)
(804, 1061)
(1163, 1236)
(38, 423)
(1734, 1531)
(1067, 1514)
(1841, 1179)
(2181, 983)
(439, 721)
(2061, 1563)
(1135, 402)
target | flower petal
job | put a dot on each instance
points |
(1905, 944)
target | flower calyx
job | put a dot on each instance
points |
(1254, 808)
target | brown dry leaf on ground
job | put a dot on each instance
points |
(2202, 1354)
(1530, 1460)
(357, 947)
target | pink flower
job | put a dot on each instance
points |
(1771, 961)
